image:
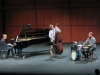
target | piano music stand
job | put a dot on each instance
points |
(49, 44)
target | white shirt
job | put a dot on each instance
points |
(52, 33)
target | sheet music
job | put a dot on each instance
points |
(10, 44)
(16, 38)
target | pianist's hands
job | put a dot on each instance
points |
(14, 44)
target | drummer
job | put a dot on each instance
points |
(91, 41)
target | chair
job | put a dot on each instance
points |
(2, 52)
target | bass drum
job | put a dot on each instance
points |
(75, 55)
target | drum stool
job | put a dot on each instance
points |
(93, 52)
(86, 52)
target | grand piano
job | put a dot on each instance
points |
(29, 36)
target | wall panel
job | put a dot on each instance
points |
(14, 2)
(98, 16)
(30, 1)
(7, 17)
(12, 32)
(46, 16)
(40, 26)
(78, 0)
(65, 17)
(74, 16)
(83, 32)
(98, 39)
(90, 16)
(32, 18)
(8, 31)
(40, 17)
(23, 1)
(61, 33)
(60, 1)
(52, 16)
(81, 16)
(94, 30)
(22, 17)
(53, 6)
(0, 2)
(66, 34)
(74, 33)
(6, 2)
(13, 18)
(15, 31)
(55, 16)
(44, 1)
(1, 24)
(1, 18)
(94, 16)
(46, 26)
(1, 32)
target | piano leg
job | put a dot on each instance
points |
(15, 51)
(20, 54)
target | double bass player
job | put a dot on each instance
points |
(52, 34)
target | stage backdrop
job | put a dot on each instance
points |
(75, 18)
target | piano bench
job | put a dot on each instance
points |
(3, 52)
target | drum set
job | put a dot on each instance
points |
(77, 50)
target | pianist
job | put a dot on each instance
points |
(4, 46)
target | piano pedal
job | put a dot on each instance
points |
(24, 57)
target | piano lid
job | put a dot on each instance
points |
(27, 31)
(27, 26)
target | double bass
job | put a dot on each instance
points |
(58, 42)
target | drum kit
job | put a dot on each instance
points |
(77, 49)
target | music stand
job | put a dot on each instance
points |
(49, 44)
